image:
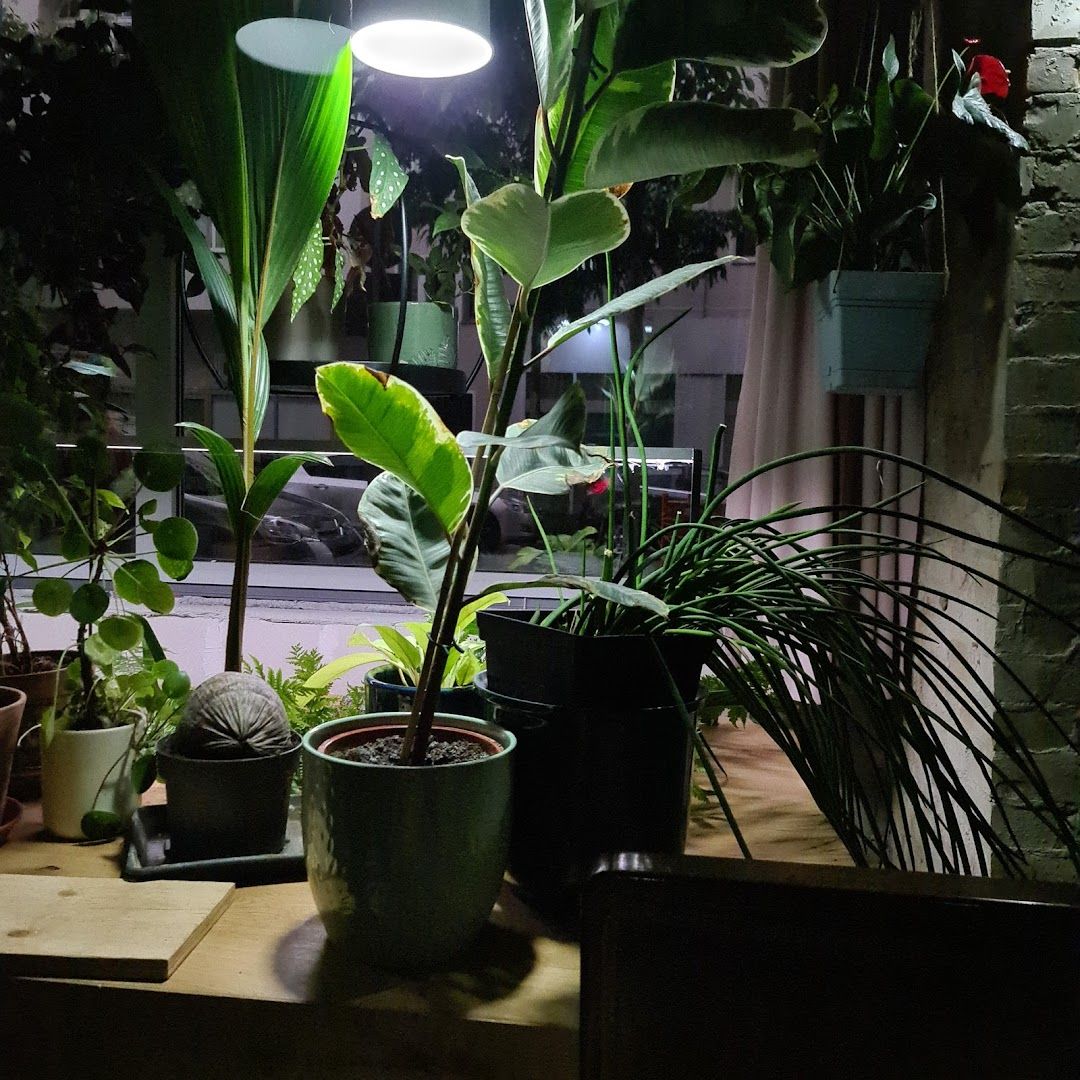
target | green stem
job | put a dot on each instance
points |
(234, 640)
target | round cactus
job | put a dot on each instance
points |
(233, 715)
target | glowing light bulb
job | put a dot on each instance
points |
(421, 48)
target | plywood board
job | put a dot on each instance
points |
(100, 928)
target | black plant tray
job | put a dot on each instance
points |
(146, 855)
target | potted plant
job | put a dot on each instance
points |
(855, 222)
(12, 703)
(122, 689)
(227, 770)
(400, 649)
(78, 128)
(606, 119)
(789, 629)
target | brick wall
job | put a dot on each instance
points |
(1042, 410)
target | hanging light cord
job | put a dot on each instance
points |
(403, 289)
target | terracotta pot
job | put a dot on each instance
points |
(12, 703)
(42, 689)
(83, 771)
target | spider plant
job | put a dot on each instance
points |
(262, 143)
(802, 646)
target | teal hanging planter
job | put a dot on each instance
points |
(430, 334)
(405, 862)
(873, 329)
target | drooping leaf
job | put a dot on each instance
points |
(52, 596)
(308, 270)
(583, 224)
(738, 33)
(270, 483)
(687, 136)
(101, 825)
(605, 590)
(551, 470)
(551, 38)
(386, 422)
(512, 226)
(388, 178)
(537, 242)
(412, 546)
(227, 464)
(971, 107)
(635, 298)
(491, 306)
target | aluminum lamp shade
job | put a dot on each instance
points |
(423, 39)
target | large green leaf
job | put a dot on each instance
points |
(491, 306)
(551, 37)
(537, 242)
(635, 298)
(512, 226)
(546, 469)
(412, 546)
(258, 106)
(611, 97)
(686, 136)
(385, 421)
(745, 33)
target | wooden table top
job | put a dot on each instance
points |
(510, 1008)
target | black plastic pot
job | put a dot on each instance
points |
(385, 695)
(589, 782)
(551, 667)
(219, 807)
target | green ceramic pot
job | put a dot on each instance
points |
(430, 334)
(405, 862)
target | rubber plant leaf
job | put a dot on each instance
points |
(491, 306)
(412, 549)
(737, 33)
(687, 136)
(538, 242)
(386, 422)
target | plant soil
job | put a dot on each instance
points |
(387, 750)
(38, 665)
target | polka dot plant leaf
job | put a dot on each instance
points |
(388, 178)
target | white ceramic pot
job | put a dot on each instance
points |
(73, 768)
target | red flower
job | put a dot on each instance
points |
(598, 487)
(993, 76)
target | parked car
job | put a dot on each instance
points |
(296, 529)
